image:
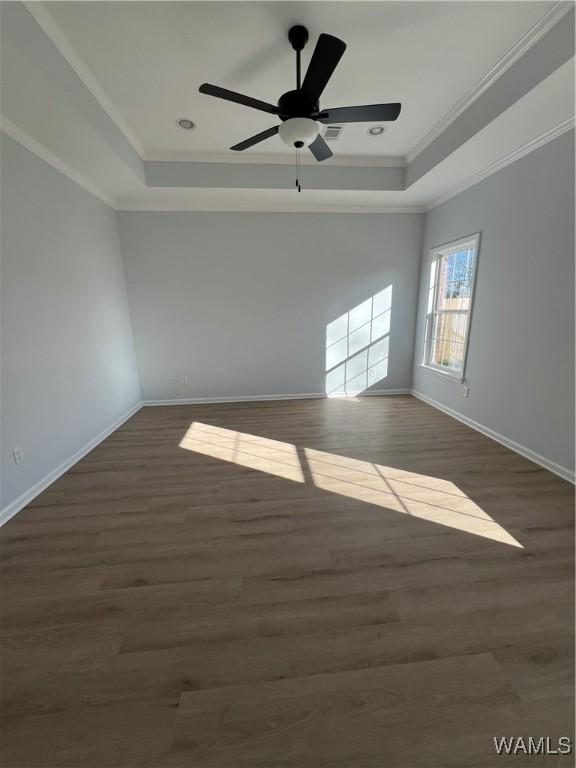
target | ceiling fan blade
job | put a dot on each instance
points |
(320, 149)
(367, 114)
(255, 139)
(237, 98)
(324, 61)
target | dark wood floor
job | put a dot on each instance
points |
(324, 584)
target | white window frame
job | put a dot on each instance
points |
(435, 254)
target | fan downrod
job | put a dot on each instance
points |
(298, 37)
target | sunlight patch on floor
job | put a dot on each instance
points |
(251, 451)
(428, 498)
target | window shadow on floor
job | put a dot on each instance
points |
(425, 497)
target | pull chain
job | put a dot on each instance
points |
(298, 172)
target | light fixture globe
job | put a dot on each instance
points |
(299, 132)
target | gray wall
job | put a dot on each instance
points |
(521, 349)
(68, 365)
(239, 302)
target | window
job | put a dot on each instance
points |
(450, 293)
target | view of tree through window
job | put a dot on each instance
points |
(449, 303)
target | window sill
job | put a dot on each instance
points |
(457, 378)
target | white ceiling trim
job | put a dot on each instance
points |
(11, 130)
(247, 207)
(51, 29)
(17, 134)
(59, 39)
(287, 158)
(63, 44)
(539, 141)
(550, 18)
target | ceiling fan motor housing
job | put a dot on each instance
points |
(299, 132)
(296, 104)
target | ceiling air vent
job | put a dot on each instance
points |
(332, 132)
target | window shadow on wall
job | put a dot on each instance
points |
(357, 346)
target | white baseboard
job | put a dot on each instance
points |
(267, 398)
(381, 392)
(15, 506)
(551, 466)
(233, 399)
(25, 498)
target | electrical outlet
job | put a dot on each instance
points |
(465, 390)
(18, 454)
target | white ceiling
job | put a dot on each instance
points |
(150, 57)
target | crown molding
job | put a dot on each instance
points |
(550, 18)
(247, 207)
(46, 22)
(362, 161)
(59, 39)
(25, 140)
(21, 137)
(511, 157)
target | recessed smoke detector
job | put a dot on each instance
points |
(185, 123)
(376, 130)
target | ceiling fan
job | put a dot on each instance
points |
(299, 110)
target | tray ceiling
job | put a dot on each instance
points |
(156, 54)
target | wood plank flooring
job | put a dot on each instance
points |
(326, 584)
